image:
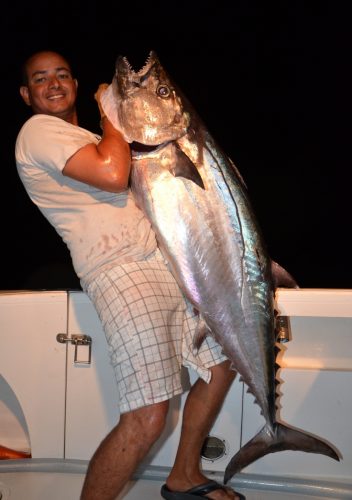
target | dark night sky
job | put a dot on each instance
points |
(272, 82)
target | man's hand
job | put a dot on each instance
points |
(102, 87)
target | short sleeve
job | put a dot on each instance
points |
(47, 142)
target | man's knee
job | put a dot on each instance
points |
(148, 422)
(223, 373)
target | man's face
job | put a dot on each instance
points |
(51, 89)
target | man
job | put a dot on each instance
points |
(79, 181)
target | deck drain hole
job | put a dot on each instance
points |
(213, 448)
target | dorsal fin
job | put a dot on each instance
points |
(281, 277)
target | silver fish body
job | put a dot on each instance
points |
(205, 226)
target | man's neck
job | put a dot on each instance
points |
(67, 117)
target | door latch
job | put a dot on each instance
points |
(77, 340)
(283, 329)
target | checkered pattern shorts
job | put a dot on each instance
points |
(148, 327)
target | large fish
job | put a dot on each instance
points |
(198, 205)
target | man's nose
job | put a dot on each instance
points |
(54, 83)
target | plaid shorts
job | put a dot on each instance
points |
(149, 327)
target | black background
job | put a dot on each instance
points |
(272, 82)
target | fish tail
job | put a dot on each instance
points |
(276, 438)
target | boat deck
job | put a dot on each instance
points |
(44, 486)
(55, 480)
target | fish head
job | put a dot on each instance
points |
(149, 110)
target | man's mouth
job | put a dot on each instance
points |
(56, 96)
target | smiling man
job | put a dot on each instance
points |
(50, 88)
(79, 181)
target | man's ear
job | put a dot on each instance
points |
(25, 95)
(76, 82)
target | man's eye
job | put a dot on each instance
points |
(163, 91)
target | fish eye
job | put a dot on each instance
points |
(163, 91)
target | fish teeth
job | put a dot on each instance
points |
(143, 69)
(147, 64)
(126, 61)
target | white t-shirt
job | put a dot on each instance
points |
(99, 228)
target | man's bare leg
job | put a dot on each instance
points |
(118, 456)
(200, 411)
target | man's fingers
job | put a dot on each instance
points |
(102, 87)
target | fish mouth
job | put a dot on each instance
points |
(143, 70)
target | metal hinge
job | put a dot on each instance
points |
(77, 340)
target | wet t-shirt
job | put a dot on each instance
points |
(100, 228)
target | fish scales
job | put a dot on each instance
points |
(198, 205)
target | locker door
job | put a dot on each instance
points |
(92, 397)
(316, 396)
(33, 368)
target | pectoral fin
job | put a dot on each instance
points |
(185, 168)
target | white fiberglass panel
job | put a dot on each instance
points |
(33, 364)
